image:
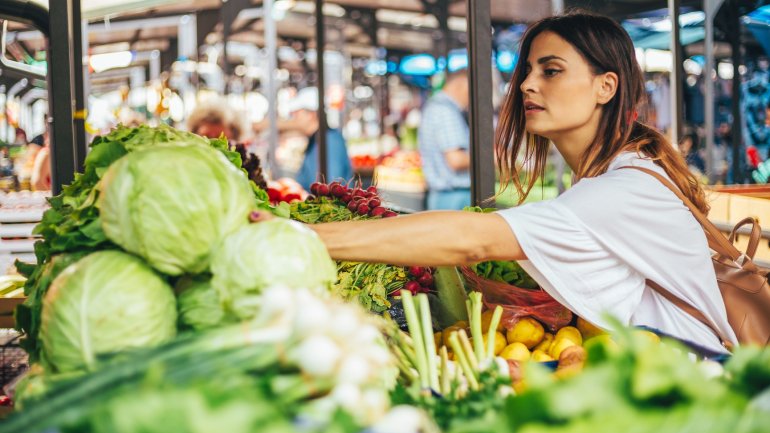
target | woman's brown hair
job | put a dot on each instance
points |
(606, 46)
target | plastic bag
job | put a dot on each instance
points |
(518, 302)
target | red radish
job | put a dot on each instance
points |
(426, 280)
(323, 189)
(424, 289)
(346, 198)
(389, 214)
(370, 195)
(288, 198)
(353, 206)
(416, 271)
(413, 286)
(359, 192)
(377, 211)
(273, 194)
(338, 190)
(311, 197)
(372, 189)
(363, 209)
(314, 187)
(374, 202)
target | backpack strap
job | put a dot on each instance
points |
(717, 242)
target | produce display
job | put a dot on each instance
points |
(155, 306)
(372, 285)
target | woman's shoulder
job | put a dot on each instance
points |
(621, 191)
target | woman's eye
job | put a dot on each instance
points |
(551, 72)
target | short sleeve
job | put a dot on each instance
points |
(569, 263)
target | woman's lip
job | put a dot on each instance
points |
(533, 110)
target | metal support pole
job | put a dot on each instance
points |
(322, 126)
(61, 99)
(480, 66)
(78, 77)
(271, 47)
(734, 23)
(676, 79)
(710, 7)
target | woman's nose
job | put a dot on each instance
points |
(528, 85)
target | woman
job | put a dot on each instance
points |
(592, 248)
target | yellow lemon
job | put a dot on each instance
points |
(516, 352)
(545, 345)
(461, 324)
(438, 339)
(653, 337)
(499, 342)
(486, 319)
(559, 344)
(527, 331)
(540, 356)
(588, 329)
(445, 335)
(572, 333)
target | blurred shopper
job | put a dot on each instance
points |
(444, 139)
(40, 179)
(304, 118)
(21, 137)
(691, 152)
(597, 247)
(213, 119)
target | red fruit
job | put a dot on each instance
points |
(291, 197)
(323, 190)
(388, 214)
(372, 189)
(274, 194)
(416, 271)
(377, 210)
(413, 286)
(314, 187)
(363, 209)
(374, 202)
(426, 280)
(346, 198)
(353, 206)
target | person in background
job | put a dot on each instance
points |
(444, 139)
(304, 117)
(40, 179)
(691, 152)
(21, 137)
(214, 118)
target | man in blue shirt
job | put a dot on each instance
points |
(304, 109)
(444, 139)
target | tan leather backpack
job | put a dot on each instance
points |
(744, 285)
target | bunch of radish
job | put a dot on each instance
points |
(361, 201)
(421, 280)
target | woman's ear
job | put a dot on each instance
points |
(608, 85)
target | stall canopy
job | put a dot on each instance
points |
(758, 23)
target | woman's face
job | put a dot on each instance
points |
(560, 91)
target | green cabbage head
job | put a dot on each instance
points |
(200, 306)
(172, 205)
(107, 302)
(279, 252)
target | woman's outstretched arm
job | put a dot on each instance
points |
(424, 239)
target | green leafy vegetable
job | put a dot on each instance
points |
(200, 306)
(279, 252)
(106, 302)
(172, 205)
